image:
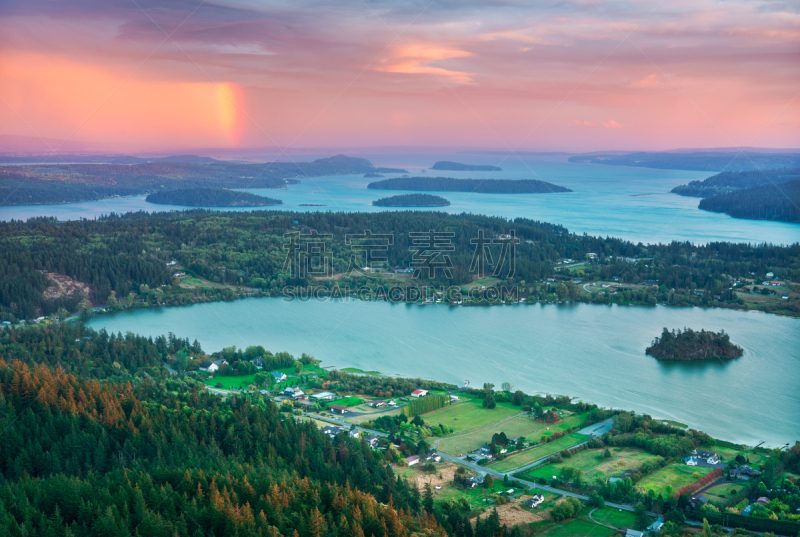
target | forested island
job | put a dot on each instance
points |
(726, 182)
(373, 175)
(210, 197)
(700, 160)
(66, 183)
(123, 261)
(480, 186)
(412, 200)
(458, 167)
(691, 345)
(766, 202)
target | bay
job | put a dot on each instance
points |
(626, 202)
(592, 352)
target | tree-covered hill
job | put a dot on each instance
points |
(458, 167)
(726, 182)
(479, 186)
(210, 197)
(766, 202)
(691, 345)
(62, 183)
(412, 200)
(124, 258)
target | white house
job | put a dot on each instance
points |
(212, 366)
(279, 376)
(412, 460)
(419, 393)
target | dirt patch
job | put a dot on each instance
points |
(513, 513)
(64, 286)
(447, 472)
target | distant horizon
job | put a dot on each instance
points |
(347, 150)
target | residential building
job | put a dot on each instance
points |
(476, 481)
(279, 376)
(412, 460)
(419, 393)
(371, 440)
(707, 456)
(433, 456)
(744, 472)
(331, 431)
(534, 502)
(337, 409)
(212, 366)
(354, 433)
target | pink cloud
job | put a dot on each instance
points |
(611, 124)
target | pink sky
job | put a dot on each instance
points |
(139, 75)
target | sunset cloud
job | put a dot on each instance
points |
(241, 73)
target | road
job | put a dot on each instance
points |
(343, 424)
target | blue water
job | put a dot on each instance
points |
(630, 203)
(588, 351)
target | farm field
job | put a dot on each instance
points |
(469, 415)
(593, 465)
(676, 475)
(231, 383)
(526, 457)
(578, 527)
(522, 426)
(478, 498)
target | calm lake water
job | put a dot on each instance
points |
(630, 203)
(592, 352)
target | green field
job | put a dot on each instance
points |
(614, 517)
(545, 450)
(721, 494)
(231, 383)
(578, 527)
(356, 371)
(348, 401)
(468, 415)
(593, 465)
(522, 426)
(678, 475)
(727, 455)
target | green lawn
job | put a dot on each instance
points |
(594, 466)
(468, 415)
(727, 455)
(231, 383)
(545, 450)
(614, 517)
(721, 494)
(678, 475)
(578, 527)
(348, 401)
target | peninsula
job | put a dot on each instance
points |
(210, 197)
(458, 167)
(691, 345)
(412, 200)
(479, 186)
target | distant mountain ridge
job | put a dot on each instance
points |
(698, 161)
(458, 167)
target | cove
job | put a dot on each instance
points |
(592, 352)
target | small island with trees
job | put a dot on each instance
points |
(458, 167)
(478, 186)
(210, 197)
(412, 200)
(691, 345)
